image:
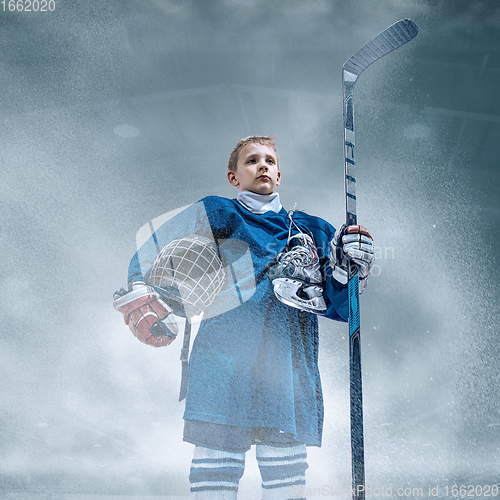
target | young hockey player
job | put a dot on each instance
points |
(253, 369)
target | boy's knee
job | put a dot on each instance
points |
(282, 468)
(216, 470)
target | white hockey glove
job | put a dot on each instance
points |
(147, 316)
(352, 243)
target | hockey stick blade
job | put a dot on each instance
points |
(390, 39)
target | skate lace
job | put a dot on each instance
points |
(292, 222)
(299, 255)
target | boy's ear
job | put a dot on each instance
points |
(278, 178)
(231, 177)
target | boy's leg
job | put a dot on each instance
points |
(219, 459)
(215, 474)
(283, 470)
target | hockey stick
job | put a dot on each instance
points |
(390, 39)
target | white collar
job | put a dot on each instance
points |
(259, 203)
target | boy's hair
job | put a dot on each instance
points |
(253, 139)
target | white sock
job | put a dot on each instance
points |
(283, 471)
(215, 474)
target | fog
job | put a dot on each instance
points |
(115, 114)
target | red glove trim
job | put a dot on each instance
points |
(358, 229)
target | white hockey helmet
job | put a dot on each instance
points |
(189, 274)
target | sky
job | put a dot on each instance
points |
(116, 113)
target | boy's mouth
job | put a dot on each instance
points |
(264, 177)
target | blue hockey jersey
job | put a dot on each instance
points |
(254, 362)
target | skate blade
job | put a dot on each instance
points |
(286, 290)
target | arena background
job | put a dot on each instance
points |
(114, 113)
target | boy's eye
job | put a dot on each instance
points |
(270, 161)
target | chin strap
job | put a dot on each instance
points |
(185, 360)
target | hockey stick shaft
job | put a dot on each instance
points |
(390, 39)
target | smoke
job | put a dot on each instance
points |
(107, 125)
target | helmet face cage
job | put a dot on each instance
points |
(189, 274)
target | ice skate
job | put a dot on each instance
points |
(297, 277)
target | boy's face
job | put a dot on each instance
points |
(256, 170)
